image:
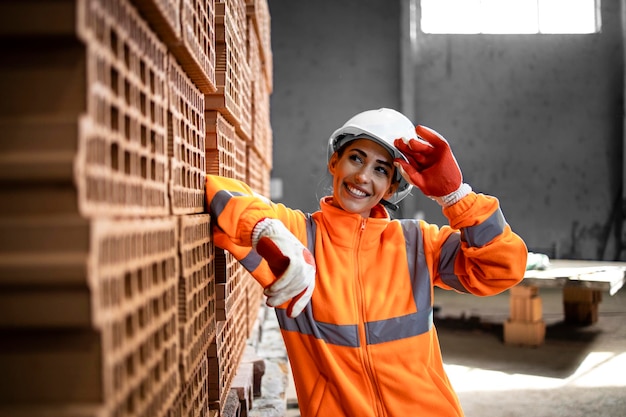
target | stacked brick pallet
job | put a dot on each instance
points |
(526, 326)
(113, 298)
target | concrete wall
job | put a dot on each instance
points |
(535, 120)
(332, 59)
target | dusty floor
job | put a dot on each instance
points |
(578, 371)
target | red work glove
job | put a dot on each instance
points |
(290, 261)
(432, 166)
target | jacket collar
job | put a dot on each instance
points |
(343, 227)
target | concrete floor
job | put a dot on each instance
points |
(578, 371)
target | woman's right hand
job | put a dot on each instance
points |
(290, 261)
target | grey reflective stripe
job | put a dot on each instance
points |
(447, 256)
(334, 334)
(481, 234)
(420, 277)
(220, 199)
(399, 327)
(251, 261)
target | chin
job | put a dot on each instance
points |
(356, 208)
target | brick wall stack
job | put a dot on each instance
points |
(114, 300)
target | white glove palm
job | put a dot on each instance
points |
(290, 261)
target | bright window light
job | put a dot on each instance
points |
(513, 16)
(567, 16)
(510, 16)
(451, 16)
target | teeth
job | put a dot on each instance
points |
(356, 192)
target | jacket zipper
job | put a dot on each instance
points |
(369, 369)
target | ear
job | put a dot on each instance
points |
(332, 164)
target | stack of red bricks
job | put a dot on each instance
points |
(525, 326)
(113, 112)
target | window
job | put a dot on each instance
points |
(510, 16)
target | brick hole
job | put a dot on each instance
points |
(169, 357)
(156, 307)
(157, 373)
(114, 42)
(149, 347)
(127, 163)
(143, 317)
(130, 328)
(141, 281)
(144, 167)
(155, 274)
(142, 72)
(166, 302)
(127, 128)
(114, 118)
(163, 271)
(184, 108)
(143, 354)
(127, 57)
(130, 404)
(128, 286)
(127, 92)
(114, 81)
(153, 142)
(157, 340)
(144, 136)
(152, 82)
(142, 103)
(130, 365)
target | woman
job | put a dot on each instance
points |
(353, 289)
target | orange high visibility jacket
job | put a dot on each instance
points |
(365, 345)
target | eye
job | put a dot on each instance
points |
(382, 170)
(356, 157)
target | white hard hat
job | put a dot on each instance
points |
(382, 126)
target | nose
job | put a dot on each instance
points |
(361, 176)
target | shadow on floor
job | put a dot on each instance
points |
(475, 343)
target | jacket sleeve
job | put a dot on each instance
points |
(478, 253)
(235, 209)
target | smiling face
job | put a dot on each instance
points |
(363, 174)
